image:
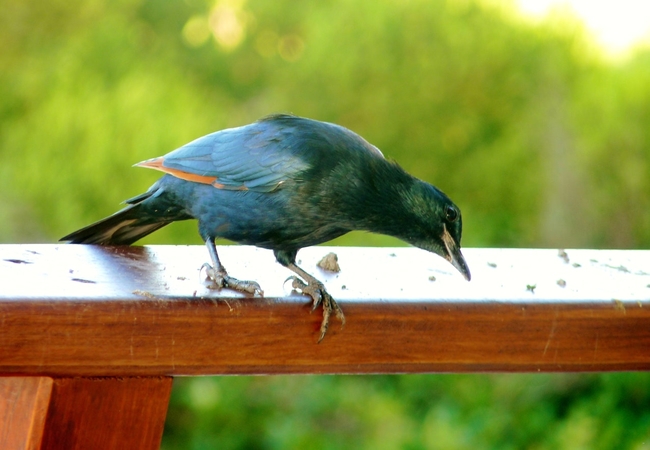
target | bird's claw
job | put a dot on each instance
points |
(222, 280)
(298, 284)
(319, 295)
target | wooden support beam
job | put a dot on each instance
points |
(24, 403)
(73, 310)
(41, 413)
(106, 413)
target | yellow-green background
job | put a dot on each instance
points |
(538, 138)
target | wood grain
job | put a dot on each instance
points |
(106, 413)
(23, 406)
(73, 310)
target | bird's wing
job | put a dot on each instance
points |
(255, 157)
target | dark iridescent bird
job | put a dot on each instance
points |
(284, 183)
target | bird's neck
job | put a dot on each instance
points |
(380, 204)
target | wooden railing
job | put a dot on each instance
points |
(90, 337)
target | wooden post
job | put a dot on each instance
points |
(106, 413)
(82, 413)
(23, 408)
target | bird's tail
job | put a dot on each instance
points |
(124, 227)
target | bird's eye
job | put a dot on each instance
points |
(451, 213)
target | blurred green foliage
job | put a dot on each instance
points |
(447, 412)
(540, 140)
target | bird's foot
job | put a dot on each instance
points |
(221, 278)
(319, 295)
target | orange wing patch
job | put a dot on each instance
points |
(159, 164)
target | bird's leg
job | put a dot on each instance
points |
(217, 273)
(319, 295)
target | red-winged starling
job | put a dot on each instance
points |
(283, 183)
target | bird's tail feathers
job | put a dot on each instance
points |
(122, 228)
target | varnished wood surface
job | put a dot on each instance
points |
(106, 413)
(74, 310)
(23, 407)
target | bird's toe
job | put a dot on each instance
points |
(315, 291)
(248, 286)
(216, 276)
(221, 279)
(329, 305)
(319, 296)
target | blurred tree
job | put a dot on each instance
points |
(461, 85)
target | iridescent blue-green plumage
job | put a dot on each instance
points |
(284, 183)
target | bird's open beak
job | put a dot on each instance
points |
(454, 256)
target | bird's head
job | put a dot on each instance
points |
(435, 224)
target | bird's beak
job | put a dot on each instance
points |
(454, 256)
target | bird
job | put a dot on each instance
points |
(284, 183)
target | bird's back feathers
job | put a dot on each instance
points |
(260, 156)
